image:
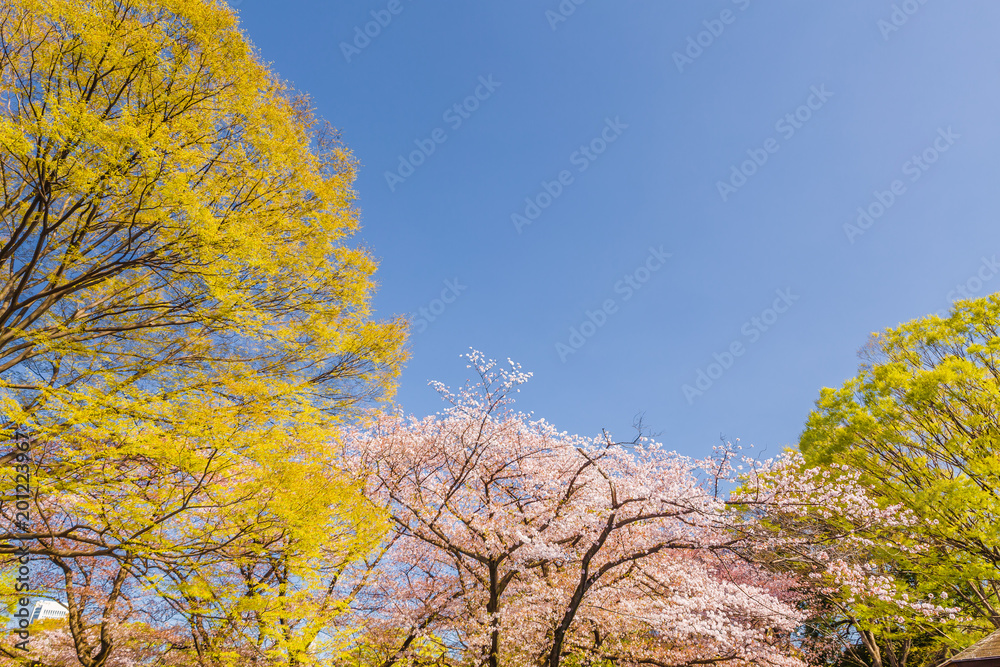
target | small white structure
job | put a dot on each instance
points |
(46, 609)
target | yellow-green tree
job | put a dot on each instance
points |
(174, 221)
(183, 327)
(242, 543)
(921, 423)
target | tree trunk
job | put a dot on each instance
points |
(492, 608)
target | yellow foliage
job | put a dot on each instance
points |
(173, 222)
(183, 327)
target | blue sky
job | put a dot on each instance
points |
(738, 137)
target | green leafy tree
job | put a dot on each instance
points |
(921, 423)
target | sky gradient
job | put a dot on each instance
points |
(631, 197)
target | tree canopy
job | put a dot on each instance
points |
(175, 221)
(921, 423)
(184, 327)
(197, 461)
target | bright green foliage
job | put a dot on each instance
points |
(921, 422)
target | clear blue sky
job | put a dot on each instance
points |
(869, 86)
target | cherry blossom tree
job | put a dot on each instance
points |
(477, 536)
(826, 528)
(519, 544)
(53, 645)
